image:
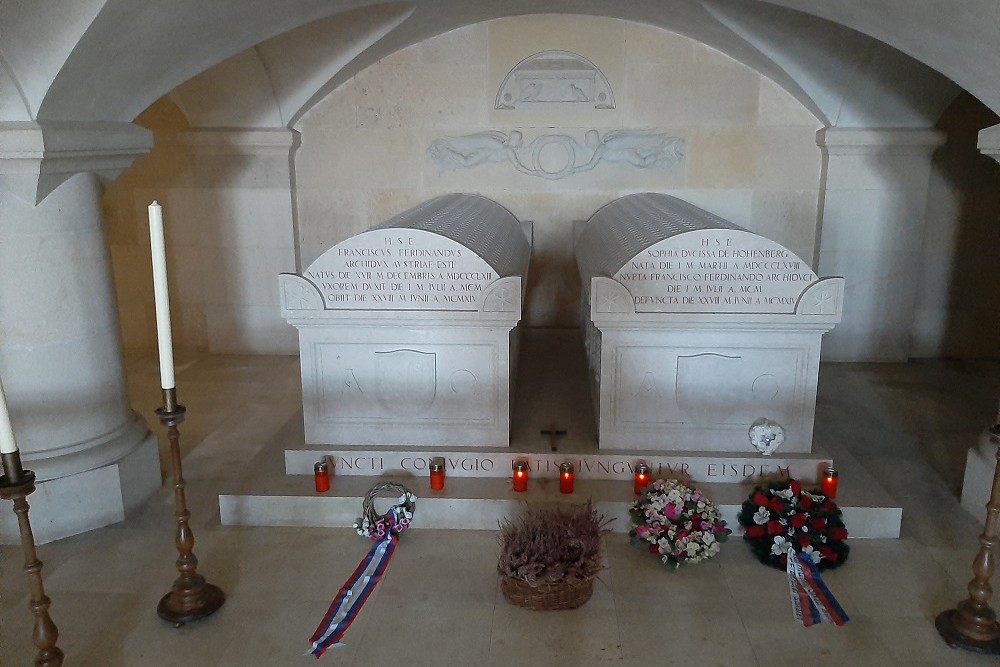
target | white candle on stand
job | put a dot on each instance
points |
(7, 444)
(160, 297)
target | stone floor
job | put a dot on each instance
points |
(439, 604)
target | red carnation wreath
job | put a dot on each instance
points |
(783, 516)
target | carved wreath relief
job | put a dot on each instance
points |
(556, 156)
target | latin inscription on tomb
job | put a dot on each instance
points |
(405, 269)
(473, 464)
(716, 271)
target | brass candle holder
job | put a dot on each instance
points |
(17, 484)
(972, 625)
(191, 598)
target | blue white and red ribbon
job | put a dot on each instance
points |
(352, 596)
(812, 601)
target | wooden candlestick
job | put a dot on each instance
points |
(972, 625)
(191, 597)
(17, 484)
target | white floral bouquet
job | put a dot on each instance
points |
(677, 523)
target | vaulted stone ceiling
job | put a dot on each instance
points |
(873, 63)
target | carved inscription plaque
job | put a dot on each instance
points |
(716, 271)
(400, 269)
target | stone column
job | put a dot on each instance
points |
(872, 214)
(60, 356)
(980, 462)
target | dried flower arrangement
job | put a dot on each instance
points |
(550, 556)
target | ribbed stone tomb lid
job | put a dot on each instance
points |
(441, 255)
(480, 224)
(626, 226)
(674, 257)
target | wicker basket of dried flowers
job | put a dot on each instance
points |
(550, 556)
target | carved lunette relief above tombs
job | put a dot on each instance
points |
(557, 156)
(557, 82)
(555, 78)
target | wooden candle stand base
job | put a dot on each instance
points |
(191, 598)
(972, 625)
(970, 629)
(183, 605)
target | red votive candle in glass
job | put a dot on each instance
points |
(321, 473)
(566, 478)
(520, 476)
(437, 474)
(641, 477)
(828, 483)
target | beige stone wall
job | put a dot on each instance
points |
(751, 151)
(751, 158)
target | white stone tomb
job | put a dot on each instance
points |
(408, 331)
(696, 328)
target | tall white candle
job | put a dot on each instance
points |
(7, 444)
(161, 298)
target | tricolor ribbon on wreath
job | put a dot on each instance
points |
(812, 601)
(384, 531)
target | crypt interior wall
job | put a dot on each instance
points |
(751, 157)
(751, 154)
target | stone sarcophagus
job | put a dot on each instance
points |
(408, 331)
(697, 328)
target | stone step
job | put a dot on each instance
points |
(483, 503)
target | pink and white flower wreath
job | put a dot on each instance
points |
(677, 523)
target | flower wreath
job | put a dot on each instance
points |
(395, 521)
(677, 523)
(782, 516)
(384, 531)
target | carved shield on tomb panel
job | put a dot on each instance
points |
(405, 380)
(707, 389)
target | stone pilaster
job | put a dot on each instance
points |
(872, 214)
(989, 142)
(60, 357)
(980, 462)
(230, 210)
